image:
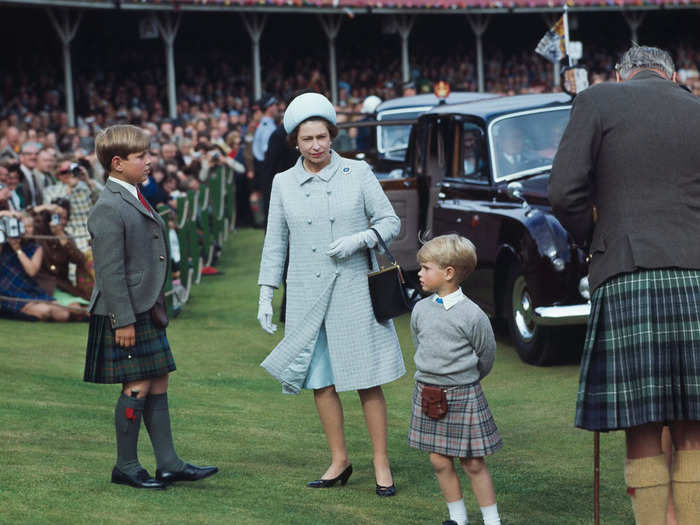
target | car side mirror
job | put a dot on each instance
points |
(574, 79)
(515, 191)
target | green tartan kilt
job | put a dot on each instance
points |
(641, 359)
(105, 362)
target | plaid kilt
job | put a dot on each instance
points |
(105, 362)
(641, 359)
(467, 430)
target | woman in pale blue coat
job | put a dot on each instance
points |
(321, 210)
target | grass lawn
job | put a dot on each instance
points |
(57, 436)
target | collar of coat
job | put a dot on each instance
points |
(128, 197)
(325, 174)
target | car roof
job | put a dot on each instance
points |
(429, 99)
(493, 107)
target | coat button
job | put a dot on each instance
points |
(155, 235)
(308, 194)
(162, 257)
(313, 248)
(308, 221)
(332, 219)
(328, 192)
(318, 274)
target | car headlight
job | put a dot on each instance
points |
(584, 289)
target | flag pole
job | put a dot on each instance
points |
(566, 33)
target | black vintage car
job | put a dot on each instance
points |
(480, 169)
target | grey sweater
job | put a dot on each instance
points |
(453, 347)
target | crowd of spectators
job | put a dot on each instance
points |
(50, 178)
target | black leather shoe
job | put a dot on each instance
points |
(386, 491)
(142, 480)
(327, 483)
(188, 473)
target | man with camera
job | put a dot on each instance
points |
(81, 192)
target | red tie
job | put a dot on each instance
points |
(143, 201)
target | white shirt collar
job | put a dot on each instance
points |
(130, 187)
(450, 299)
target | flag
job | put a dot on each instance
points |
(553, 43)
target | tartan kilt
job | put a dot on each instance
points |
(641, 359)
(467, 430)
(105, 362)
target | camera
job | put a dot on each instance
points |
(55, 219)
(75, 169)
(215, 155)
(10, 228)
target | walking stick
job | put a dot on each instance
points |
(596, 478)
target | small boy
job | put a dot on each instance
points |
(127, 342)
(455, 348)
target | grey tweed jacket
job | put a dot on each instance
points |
(130, 255)
(308, 212)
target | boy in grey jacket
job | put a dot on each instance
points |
(455, 348)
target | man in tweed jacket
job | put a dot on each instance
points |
(626, 179)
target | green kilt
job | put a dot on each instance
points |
(105, 362)
(641, 359)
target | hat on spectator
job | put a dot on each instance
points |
(370, 104)
(306, 106)
(266, 101)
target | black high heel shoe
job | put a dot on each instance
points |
(386, 491)
(328, 483)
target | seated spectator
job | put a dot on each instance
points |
(14, 175)
(20, 261)
(75, 186)
(50, 220)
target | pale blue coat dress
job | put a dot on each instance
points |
(329, 314)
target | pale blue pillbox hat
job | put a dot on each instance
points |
(306, 106)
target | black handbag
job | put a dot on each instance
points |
(387, 288)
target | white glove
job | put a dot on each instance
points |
(346, 246)
(265, 309)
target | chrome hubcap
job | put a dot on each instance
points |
(523, 313)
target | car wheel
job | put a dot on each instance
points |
(535, 344)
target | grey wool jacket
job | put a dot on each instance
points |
(307, 213)
(130, 255)
(453, 347)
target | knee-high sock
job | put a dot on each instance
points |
(686, 486)
(127, 422)
(156, 416)
(647, 484)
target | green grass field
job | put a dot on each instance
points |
(57, 437)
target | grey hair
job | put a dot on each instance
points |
(645, 57)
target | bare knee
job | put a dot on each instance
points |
(441, 463)
(59, 314)
(473, 466)
(141, 387)
(40, 310)
(685, 435)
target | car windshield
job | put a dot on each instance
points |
(525, 144)
(392, 141)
